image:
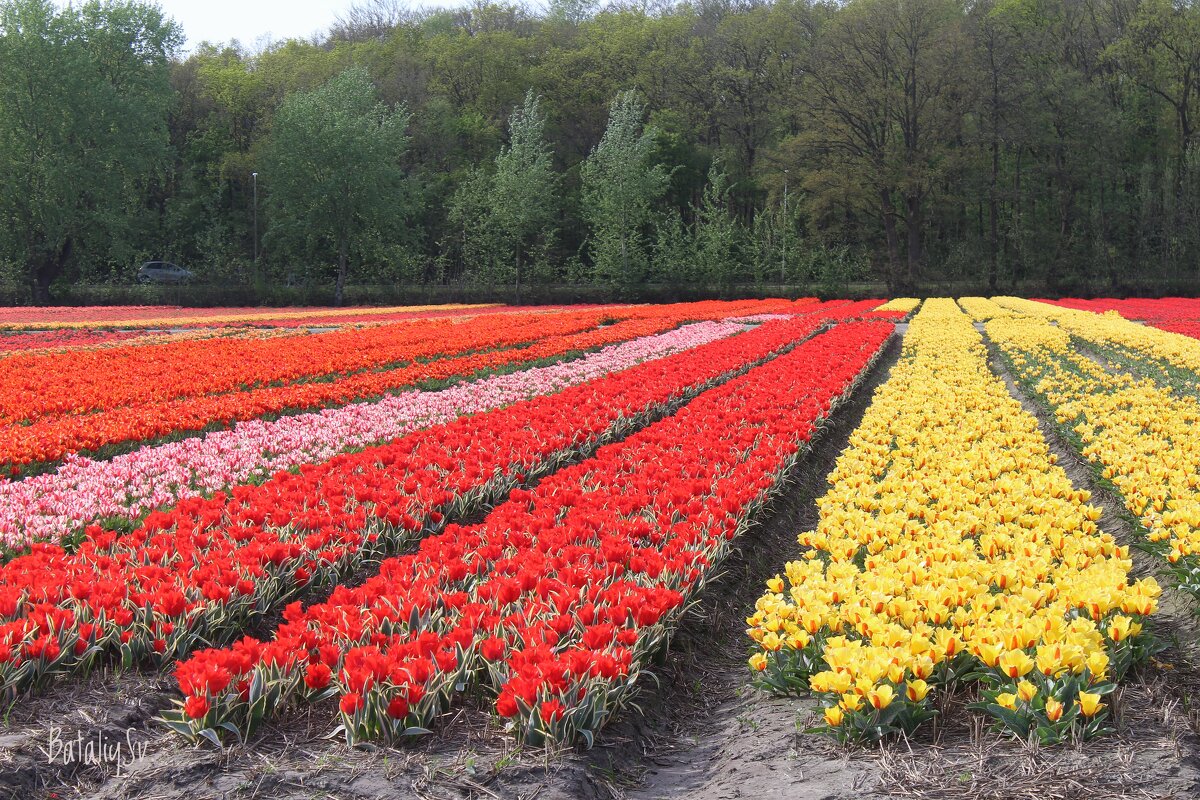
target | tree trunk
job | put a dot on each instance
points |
(893, 238)
(41, 287)
(46, 270)
(340, 288)
(913, 223)
(518, 275)
(994, 219)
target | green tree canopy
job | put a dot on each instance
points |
(332, 166)
(620, 187)
(84, 93)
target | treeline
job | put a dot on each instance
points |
(712, 143)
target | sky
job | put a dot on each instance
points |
(249, 21)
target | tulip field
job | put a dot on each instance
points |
(517, 546)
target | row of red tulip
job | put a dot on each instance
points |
(196, 573)
(557, 598)
(40, 386)
(1160, 310)
(466, 348)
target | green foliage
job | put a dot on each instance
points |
(84, 94)
(1025, 145)
(620, 187)
(673, 252)
(718, 234)
(504, 221)
(332, 165)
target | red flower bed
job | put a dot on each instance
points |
(16, 342)
(558, 597)
(1174, 314)
(1188, 327)
(1164, 309)
(140, 393)
(197, 572)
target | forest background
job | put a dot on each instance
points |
(591, 152)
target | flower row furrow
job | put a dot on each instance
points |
(1141, 437)
(55, 505)
(85, 317)
(197, 572)
(952, 550)
(52, 439)
(558, 596)
(74, 383)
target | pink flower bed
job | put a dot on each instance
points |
(48, 507)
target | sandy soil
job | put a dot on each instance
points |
(700, 733)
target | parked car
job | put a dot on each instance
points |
(163, 272)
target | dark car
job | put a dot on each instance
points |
(163, 272)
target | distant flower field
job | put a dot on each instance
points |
(379, 516)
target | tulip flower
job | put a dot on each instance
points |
(1015, 663)
(1089, 704)
(881, 697)
(916, 690)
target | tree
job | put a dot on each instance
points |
(620, 187)
(881, 98)
(524, 199)
(84, 94)
(718, 235)
(332, 168)
(503, 219)
(1161, 51)
(472, 234)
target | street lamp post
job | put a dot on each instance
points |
(254, 178)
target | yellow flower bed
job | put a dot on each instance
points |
(981, 309)
(1113, 330)
(905, 304)
(950, 545)
(1143, 438)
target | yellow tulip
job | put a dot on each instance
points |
(1054, 710)
(916, 690)
(1026, 691)
(1015, 663)
(1097, 664)
(989, 654)
(758, 662)
(775, 585)
(834, 716)
(881, 697)
(798, 640)
(1050, 660)
(1007, 700)
(1121, 627)
(1089, 703)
